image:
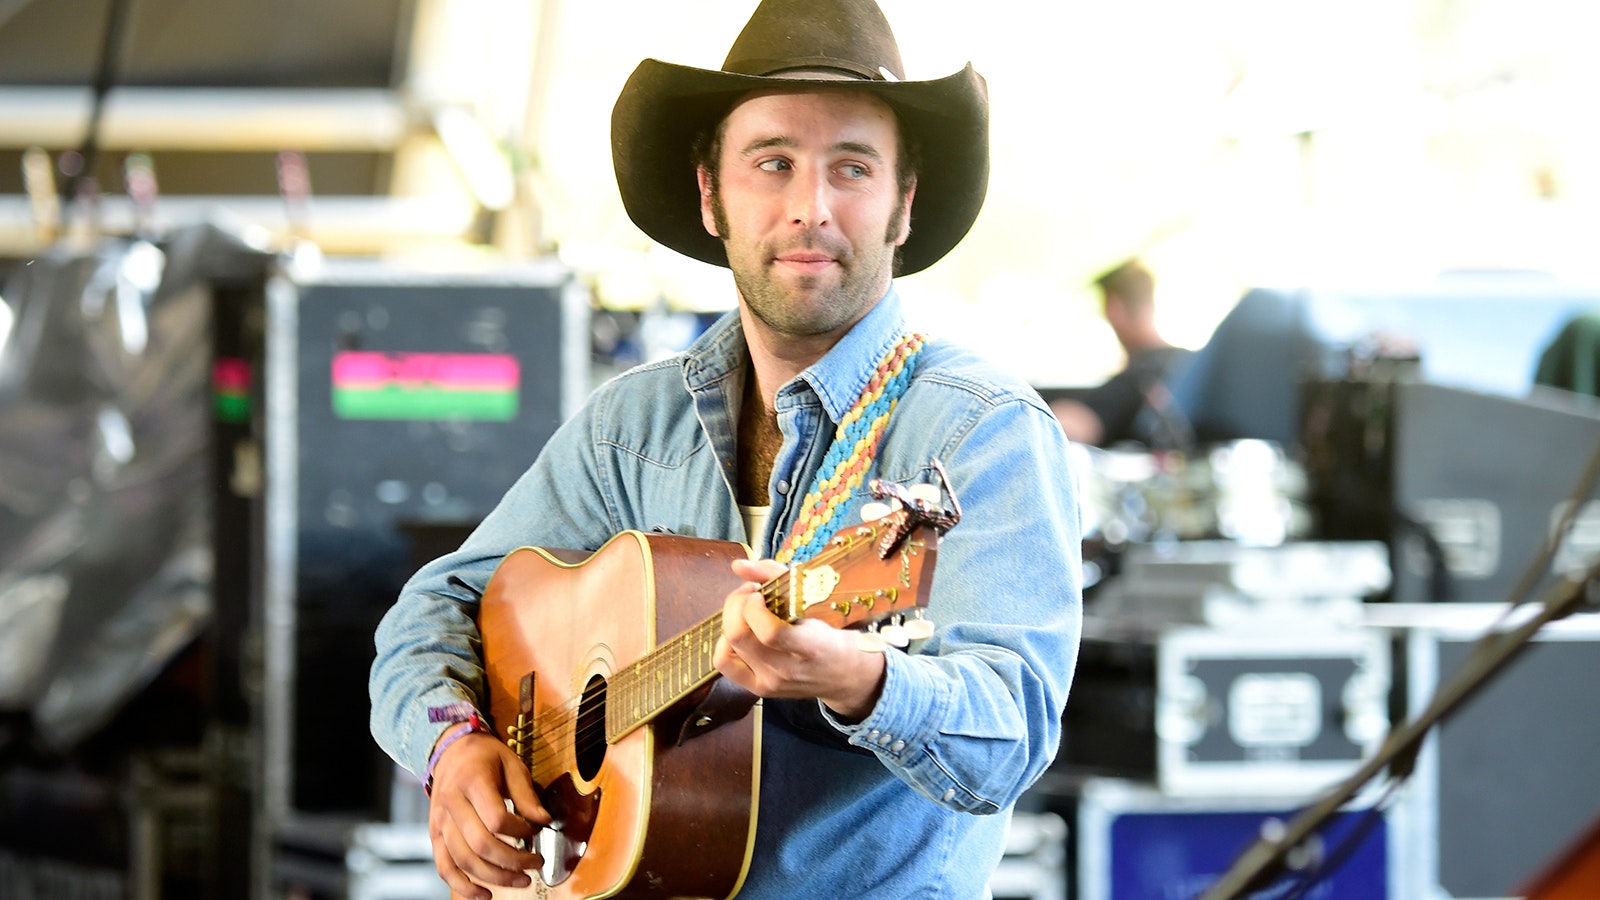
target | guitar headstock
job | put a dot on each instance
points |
(875, 572)
(851, 584)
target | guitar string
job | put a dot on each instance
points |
(565, 717)
(561, 721)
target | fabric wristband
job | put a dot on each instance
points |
(473, 723)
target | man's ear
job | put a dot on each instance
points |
(708, 217)
(905, 214)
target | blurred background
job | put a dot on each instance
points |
(290, 292)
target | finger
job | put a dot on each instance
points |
(758, 570)
(477, 873)
(733, 627)
(501, 817)
(762, 623)
(742, 612)
(444, 862)
(464, 822)
(483, 826)
(524, 799)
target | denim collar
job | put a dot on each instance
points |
(837, 379)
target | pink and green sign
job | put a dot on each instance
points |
(427, 386)
(230, 389)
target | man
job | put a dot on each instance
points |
(883, 775)
(1133, 404)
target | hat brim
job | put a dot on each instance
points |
(664, 107)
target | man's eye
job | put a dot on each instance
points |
(774, 165)
(852, 170)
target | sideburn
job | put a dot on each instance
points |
(719, 213)
(892, 233)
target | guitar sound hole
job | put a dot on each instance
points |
(590, 742)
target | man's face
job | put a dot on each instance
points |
(807, 203)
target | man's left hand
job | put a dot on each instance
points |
(769, 657)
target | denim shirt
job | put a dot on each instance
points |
(914, 800)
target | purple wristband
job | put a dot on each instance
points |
(473, 723)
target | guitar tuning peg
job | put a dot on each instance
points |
(927, 493)
(873, 511)
(894, 634)
(919, 628)
(870, 641)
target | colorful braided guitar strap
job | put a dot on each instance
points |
(855, 445)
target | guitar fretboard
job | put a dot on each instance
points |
(639, 692)
(665, 675)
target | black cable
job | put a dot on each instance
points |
(1349, 842)
(1347, 845)
(105, 75)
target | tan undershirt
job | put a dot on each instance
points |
(759, 441)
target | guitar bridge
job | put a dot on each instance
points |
(519, 736)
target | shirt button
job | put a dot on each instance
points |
(897, 747)
(873, 734)
(949, 794)
(885, 739)
(783, 486)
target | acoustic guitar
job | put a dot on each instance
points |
(600, 678)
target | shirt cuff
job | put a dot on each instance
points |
(902, 722)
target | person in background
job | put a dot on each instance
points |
(810, 167)
(1132, 405)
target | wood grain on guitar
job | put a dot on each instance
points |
(600, 676)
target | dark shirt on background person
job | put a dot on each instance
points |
(1134, 404)
(1128, 405)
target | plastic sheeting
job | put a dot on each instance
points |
(105, 411)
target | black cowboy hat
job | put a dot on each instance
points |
(664, 107)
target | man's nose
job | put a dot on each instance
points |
(809, 199)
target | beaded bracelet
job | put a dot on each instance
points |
(473, 723)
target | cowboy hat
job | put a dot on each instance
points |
(664, 108)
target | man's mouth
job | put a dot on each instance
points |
(806, 260)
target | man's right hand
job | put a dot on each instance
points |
(468, 821)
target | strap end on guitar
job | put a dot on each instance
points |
(724, 702)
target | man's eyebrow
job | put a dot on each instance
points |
(860, 149)
(855, 147)
(768, 143)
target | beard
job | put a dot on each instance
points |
(811, 305)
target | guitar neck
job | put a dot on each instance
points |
(863, 575)
(672, 671)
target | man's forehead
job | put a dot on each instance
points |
(860, 104)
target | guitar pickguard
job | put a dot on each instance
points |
(565, 842)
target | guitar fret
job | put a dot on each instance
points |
(674, 668)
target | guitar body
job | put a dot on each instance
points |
(645, 815)
(601, 678)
